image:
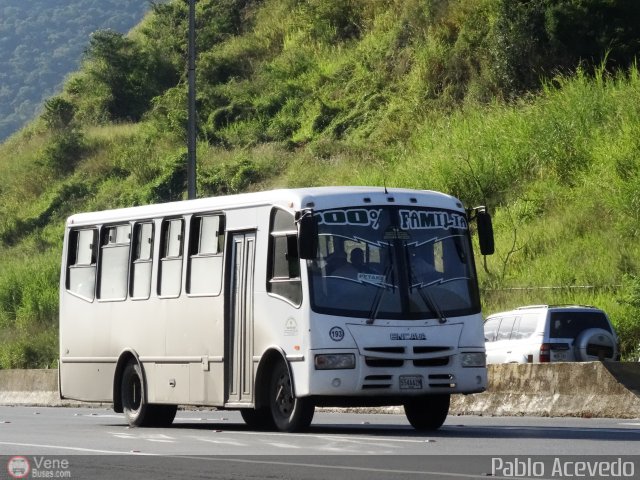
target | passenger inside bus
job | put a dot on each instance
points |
(335, 261)
(354, 267)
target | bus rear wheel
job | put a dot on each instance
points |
(289, 413)
(137, 411)
(428, 412)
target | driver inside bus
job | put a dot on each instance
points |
(423, 271)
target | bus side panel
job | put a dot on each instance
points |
(185, 383)
(206, 387)
(91, 382)
(194, 329)
(83, 340)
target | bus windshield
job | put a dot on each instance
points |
(393, 262)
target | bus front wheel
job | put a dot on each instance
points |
(289, 413)
(428, 412)
(259, 419)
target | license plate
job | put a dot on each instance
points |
(410, 382)
(558, 356)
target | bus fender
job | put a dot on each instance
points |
(269, 358)
(124, 359)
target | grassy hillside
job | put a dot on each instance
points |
(490, 100)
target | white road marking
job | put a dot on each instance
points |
(221, 441)
(335, 437)
(149, 437)
(200, 419)
(283, 445)
(103, 415)
(76, 449)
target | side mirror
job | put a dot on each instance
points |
(485, 232)
(307, 234)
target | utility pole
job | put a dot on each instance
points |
(191, 127)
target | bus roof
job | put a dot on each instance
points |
(318, 198)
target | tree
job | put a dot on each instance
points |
(132, 76)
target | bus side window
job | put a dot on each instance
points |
(284, 261)
(81, 263)
(142, 261)
(170, 272)
(114, 262)
(206, 241)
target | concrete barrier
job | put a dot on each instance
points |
(29, 387)
(562, 389)
(556, 390)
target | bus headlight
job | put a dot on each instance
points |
(335, 361)
(473, 359)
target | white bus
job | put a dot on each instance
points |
(274, 303)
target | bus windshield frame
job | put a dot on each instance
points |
(393, 262)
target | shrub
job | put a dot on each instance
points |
(628, 323)
(63, 152)
(36, 350)
(58, 113)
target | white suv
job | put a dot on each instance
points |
(544, 333)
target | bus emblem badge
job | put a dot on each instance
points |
(336, 334)
(291, 327)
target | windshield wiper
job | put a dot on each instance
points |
(432, 305)
(377, 300)
(424, 294)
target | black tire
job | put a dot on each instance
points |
(134, 403)
(289, 413)
(162, 415)
(137, 411)
(259, 419)
(427, 413)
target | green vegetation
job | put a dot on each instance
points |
(529, 107)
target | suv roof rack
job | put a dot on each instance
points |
(560, 305)
(571, 305)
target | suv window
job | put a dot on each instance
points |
(571, 324)
(504, 332)
(526, 326)
(491, 328)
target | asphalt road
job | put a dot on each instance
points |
(97, 443)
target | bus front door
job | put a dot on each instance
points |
(239, 337)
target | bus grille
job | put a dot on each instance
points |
(394, 356)
(383, 362)
(443, 380)
(432, 362)
(376, 381)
